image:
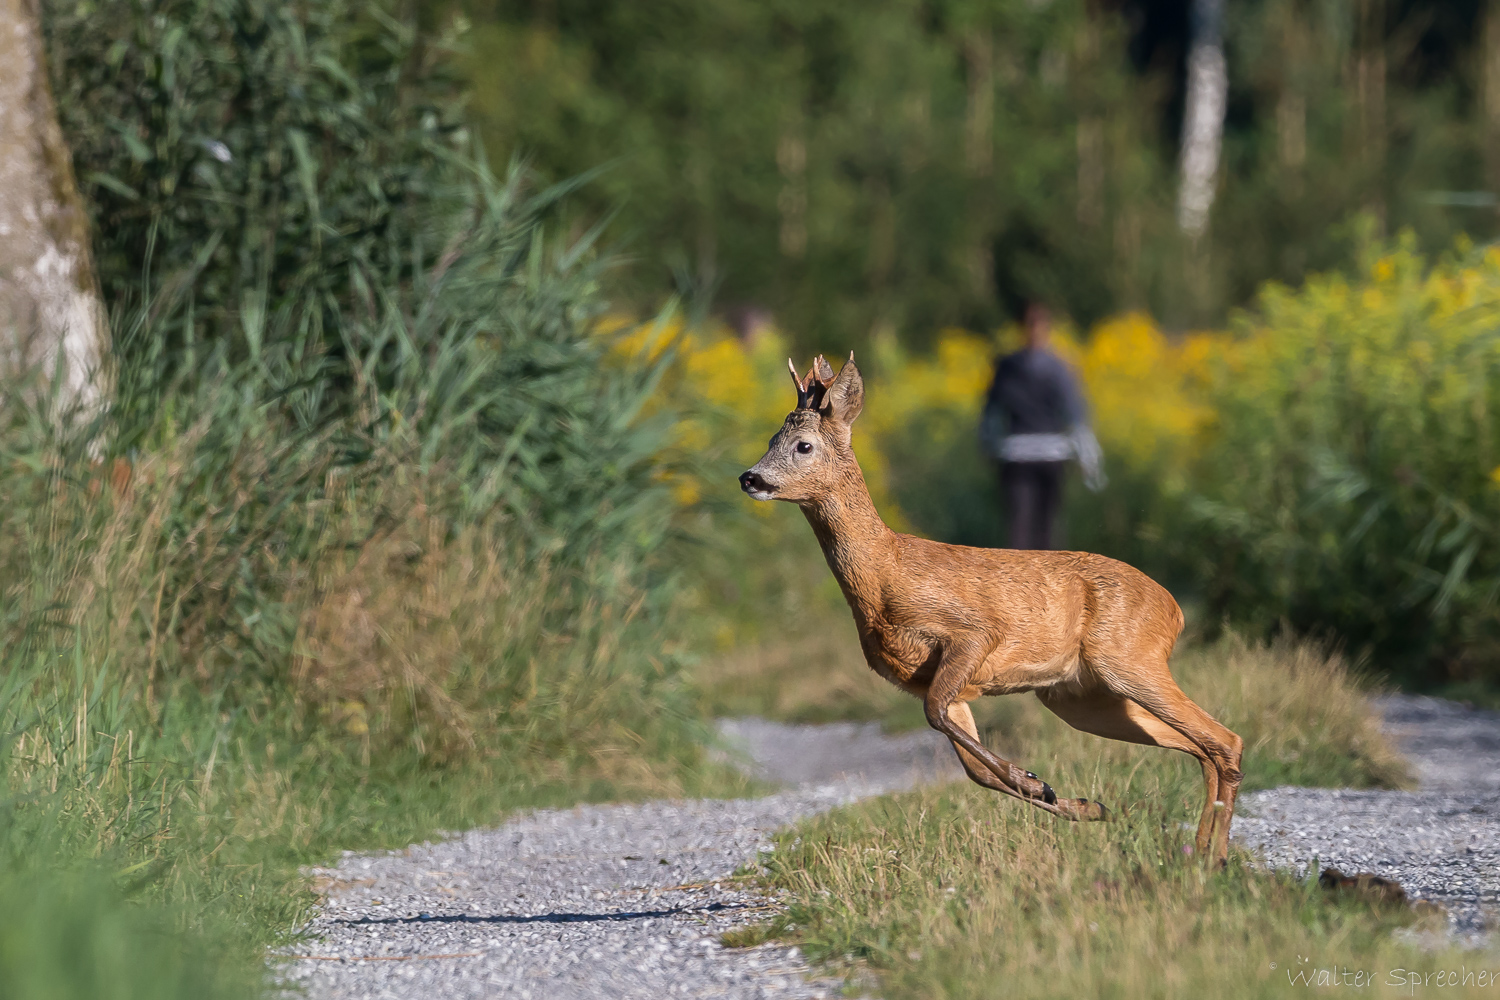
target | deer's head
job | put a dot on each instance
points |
(811, 454)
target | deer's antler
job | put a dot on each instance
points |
(812, 386)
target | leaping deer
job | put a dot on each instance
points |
(948, 623)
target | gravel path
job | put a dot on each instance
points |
(629, 900)
(621, 901)
(1441, 842)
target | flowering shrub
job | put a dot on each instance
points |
(1347, 481)
(1332, 461)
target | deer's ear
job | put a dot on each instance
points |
(846, 396)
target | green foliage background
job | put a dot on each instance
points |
(902, 165)
(355, 363)
(259, 153)
(386, 552)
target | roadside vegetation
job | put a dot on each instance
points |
(952, 891)
(371, 542)
(409, 511)
(301, 605)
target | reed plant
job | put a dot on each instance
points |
(283, 599)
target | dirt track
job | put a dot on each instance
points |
(629, 900)
(1441, 842)
(601, 901)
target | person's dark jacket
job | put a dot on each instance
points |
(1035, 412)
(1034, 392)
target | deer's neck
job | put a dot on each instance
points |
(856, 542)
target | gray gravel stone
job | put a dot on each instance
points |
(600, 901)
(1441, 842)
(629, 900)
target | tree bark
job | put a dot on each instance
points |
(1090, 140)
(1089, 132)
(1203, 121)
(979, 116)
(791, 161)
(1291, 128)
(1492, 93)
(979, 154)
(1291, 84)
(51, 315)
(1369, 95)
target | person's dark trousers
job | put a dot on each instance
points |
(1033, 493)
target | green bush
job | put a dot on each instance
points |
(1348, 483)
(368, 544)
(258, 152)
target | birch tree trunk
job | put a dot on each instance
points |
(979, 152)
(1491, 65)
(1369, 95)
(1203, 120)
(791, 161)
(1089, 132)
(1291, 98)
(51, 314)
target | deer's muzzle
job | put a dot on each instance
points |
(752, 483)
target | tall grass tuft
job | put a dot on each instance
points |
(948, 891)
(308, 599)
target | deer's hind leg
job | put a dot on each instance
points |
(1116, 717)
(1166, 702)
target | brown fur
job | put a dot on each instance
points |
(1365, 885)
(949, 623)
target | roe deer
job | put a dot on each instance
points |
(948, 623)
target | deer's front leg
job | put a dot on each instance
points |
(962, 717)
(953, 719)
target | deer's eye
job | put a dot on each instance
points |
(804, 447)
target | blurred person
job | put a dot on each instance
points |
(1035, 421)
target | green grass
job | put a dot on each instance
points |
(189, 720)
(332, 601)
(79, 935)
(163, 867)
(956, 892)
(952, 892)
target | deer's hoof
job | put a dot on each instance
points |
(1047, 795)
(1084, 811)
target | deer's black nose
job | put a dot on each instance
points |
(751, 482)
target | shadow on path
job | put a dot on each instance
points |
(544, 918)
